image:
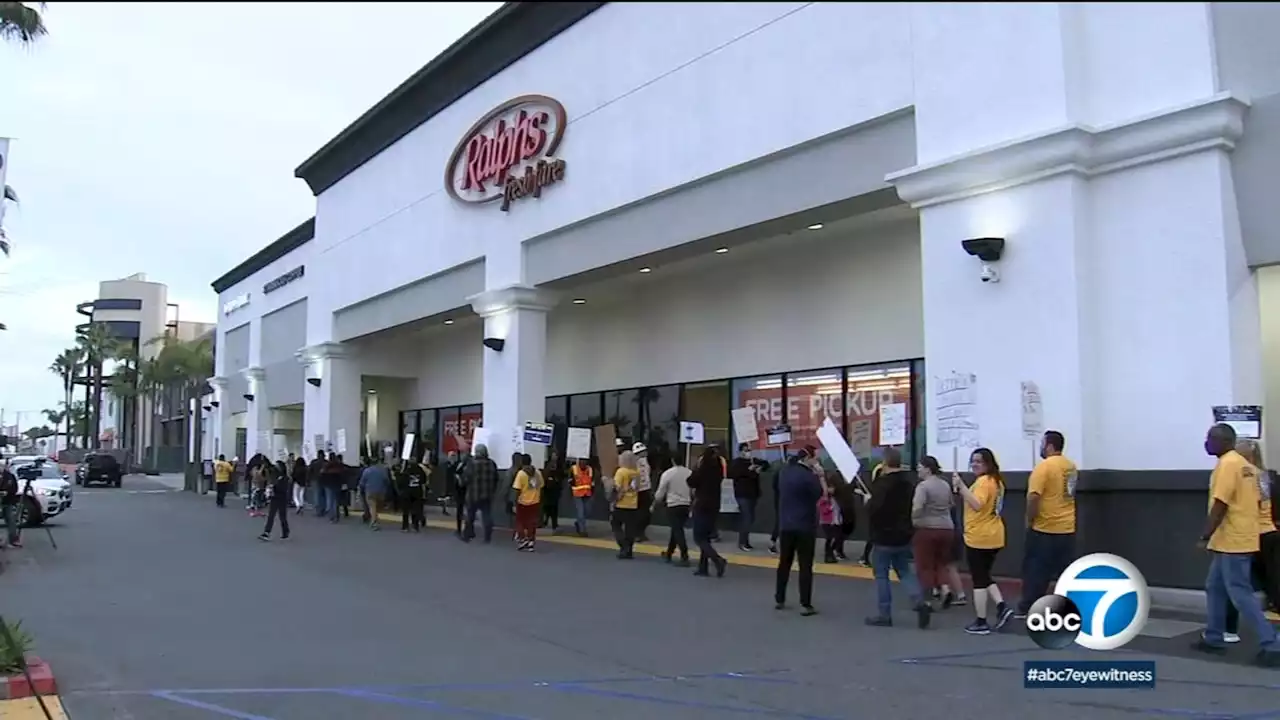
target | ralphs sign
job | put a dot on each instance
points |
(509, 153)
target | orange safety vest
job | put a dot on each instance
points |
(582, 481)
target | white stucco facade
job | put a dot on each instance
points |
(1096, 139)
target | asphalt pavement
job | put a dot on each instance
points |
(158, 605)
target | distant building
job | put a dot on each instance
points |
(137, 311)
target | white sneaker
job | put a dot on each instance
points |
(1230, 638)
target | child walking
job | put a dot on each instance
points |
(830, 518)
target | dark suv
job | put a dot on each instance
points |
(99, 468)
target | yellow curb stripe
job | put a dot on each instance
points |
(854, 572)
(29, 709)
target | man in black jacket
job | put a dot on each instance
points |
(746, 491)
(412, 489)
(889, 511)
(9, 510)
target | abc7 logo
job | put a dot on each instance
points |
(1054, 622)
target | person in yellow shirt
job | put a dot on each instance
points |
(1051, 521)
(626, 491)
(222, 471)
(1266, 562)
(1231, 537)
(528, 484)
(983, 537)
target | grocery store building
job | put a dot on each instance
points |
(994, 217)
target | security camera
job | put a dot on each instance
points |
(990, 274)
(314, 381)
(248, 396)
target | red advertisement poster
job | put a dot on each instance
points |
(458, 431)
(807, 407)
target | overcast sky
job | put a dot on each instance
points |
(161, 138)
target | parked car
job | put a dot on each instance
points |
(99, 468)
(47, 495)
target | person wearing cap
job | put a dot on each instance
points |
(644, 486)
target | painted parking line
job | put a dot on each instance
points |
(655, 700)
(201, 705)
(427, 704)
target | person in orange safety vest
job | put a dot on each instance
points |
(582, 484)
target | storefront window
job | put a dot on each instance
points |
(584, 412)
(869, 390)
(427, 441)
(447, 440)
(557, 414)
(812, 397)
(763, 395)
(470, 417)
(708, 403)
(659, 411)
(623, 411)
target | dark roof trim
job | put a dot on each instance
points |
(513, 31)
(287, 243)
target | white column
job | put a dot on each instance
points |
(1124, 292)
(516, 315)
(219, 419)
(332, 398)
(257, 425)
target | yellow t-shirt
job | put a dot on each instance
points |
(530, 494)
(1235, 483)
(624, 482)
(984, 528)
(222, 471)
(1054, 480)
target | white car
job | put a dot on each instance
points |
(48, 495)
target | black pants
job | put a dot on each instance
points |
(1045, 557)
(625, 523)
(833, 538)
(866, 552)
(279, 506)
(643, 513)
(703, 527)
(793, 546)
(551, 507)
(221, 495)
(677, 516)
(459, 509)
(411, 509)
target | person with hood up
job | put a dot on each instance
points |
(704, 482)
(413, 496)
(554, 473)
(480, 477)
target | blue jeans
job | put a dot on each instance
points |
(580, 507)
(1230, 583)
(485, 508)
(10, 516)
(1045, 557)
(899, 558)
(746, 518)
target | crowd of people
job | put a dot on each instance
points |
(922, 523)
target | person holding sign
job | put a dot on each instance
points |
(624, 517)
(528, 485)
(1051, 521)
(983, 537)
(582, 485)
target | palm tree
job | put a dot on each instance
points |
(188, 365)
(145, 385)
(22, 23)
(99, 346)
(66, 366)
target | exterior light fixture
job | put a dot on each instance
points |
(721, 251)
(815, 226)
(448, 322)
(646, 270)
(579, 301)
(495, 344)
